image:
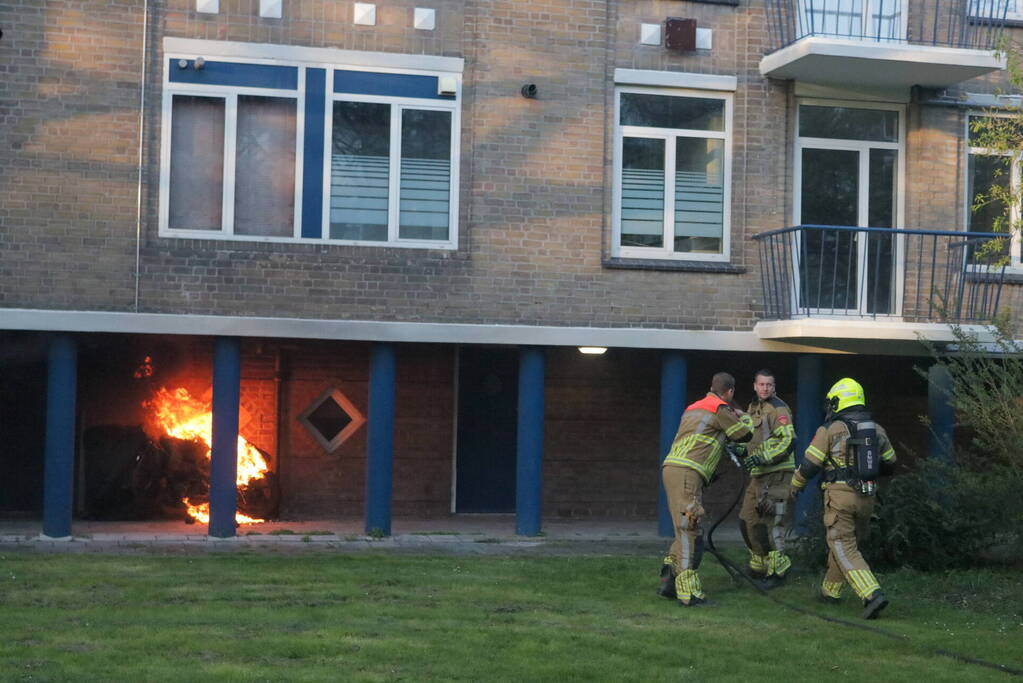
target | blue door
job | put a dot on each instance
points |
(487, 419)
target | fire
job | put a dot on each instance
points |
(181, 416)
(201, 514)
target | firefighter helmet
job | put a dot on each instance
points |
(845, 393)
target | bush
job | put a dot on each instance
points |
(937, 517)
(987, 386)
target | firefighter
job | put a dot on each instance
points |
(770, 460)
(702, 433)
(850, 465)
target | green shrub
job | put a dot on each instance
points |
(937, 517)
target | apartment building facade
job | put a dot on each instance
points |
(371, 238)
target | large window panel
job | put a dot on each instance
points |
(987, 172)
(642, 192)
(699, 194)
(265, 166)
(425, 175)
(661, 111)
(197, 163)
(360, 171)
(848, 123)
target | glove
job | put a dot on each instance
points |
(751, 461)
(794, 493)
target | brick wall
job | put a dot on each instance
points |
(535, 193)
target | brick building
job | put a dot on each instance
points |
(379, 232)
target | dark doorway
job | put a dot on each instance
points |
(487, 417)
(22, 423)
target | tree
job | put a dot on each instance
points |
(996, 142)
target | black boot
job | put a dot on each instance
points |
(873, 605)
(667, 587)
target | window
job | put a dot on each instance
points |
(276, 146)
(1009, 10)
(987, 170)
(390, 172)
(672, 171)
(331, 419)
(874, 20)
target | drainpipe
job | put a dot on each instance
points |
(142, 128)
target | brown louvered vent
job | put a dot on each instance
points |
(680, 34)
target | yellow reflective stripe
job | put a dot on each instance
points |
(832, 588)
(778, 563)
(863, 582)
(758, 563)
(888, 454)
(779, 442)
(745, 422)
(798, 481)
(817, 454)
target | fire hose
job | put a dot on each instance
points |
(738, 576)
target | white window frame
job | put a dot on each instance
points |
(666, 251)
(398, 105)
(230, 96)
(862, 147)
(1015, 265)
(330, 60)
(869, 8)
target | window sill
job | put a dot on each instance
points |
(672, 265)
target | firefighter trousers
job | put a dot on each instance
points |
(684, 489)
(764, 520)
(847, 523)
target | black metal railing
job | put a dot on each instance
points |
(915, 275)
(973, 24)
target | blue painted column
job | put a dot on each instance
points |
(380, 441)
(673, 399)
(809, 416)
(941, 415)
(529, 443)
(227, 377)
(58, 478)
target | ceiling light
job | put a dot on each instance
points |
(593, 350)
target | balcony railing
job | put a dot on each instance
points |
(970, 24)
(908, 275)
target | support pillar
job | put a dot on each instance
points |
(58, 477)
(941, 415)
(673, 398)
(227, 378)
(380, 441)
(809, 416)
(529, 442)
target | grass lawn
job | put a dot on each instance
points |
(319, 616)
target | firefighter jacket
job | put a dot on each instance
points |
(705, 427)
(828, 451)
(773, 436)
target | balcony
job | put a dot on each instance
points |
(883, 43)
(877, 283)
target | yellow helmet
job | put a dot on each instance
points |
(845, 393)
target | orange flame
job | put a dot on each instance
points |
(201, 514)
(180, 415)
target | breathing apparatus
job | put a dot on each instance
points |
(863, 462)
